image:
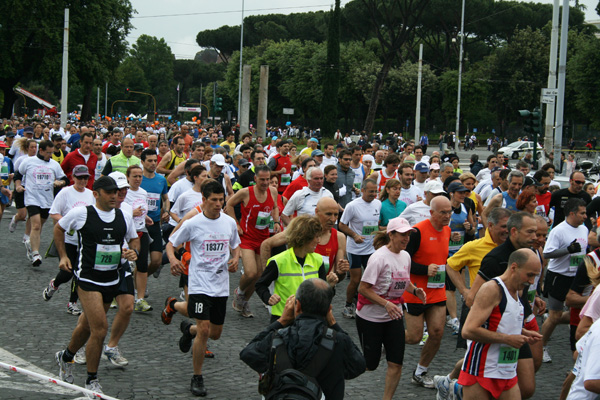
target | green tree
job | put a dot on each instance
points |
(585, 79)
(331, 80)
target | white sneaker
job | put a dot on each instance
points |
(95, 387)
(80, 357)
(27, 244)
(12, 227)
(115, 357)
(36, 259)
(424, 338)
(73, 308)
(547, 358)
(442, 385)
(246, 312)
(238, 300)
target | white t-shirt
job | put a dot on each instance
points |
(40, 176)
(409, 196)
(416, 213)
(420, 186)
(359, 177)
(185, 203)
(178, 188)
(589, 368)
(389, 273)
(328, 161)
(66, 200)
(304, 201)
(363, 219)
(560, 237)
(210, 240)
(484, 175)
(136, 199)
(102, 159)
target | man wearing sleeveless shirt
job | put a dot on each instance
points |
(389, 171)
(428, 249)
(101, 230)
(281, 165)
(258, 207)
(173, 158)
(495, 331)
(522, 228)
(507, 199)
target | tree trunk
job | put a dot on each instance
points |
(86, 110)
(381, 75)
(9, 96)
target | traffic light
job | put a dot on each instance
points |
(536, 121)
(126, 90)
(528, 122)
(218, 104)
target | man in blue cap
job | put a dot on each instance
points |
(312, 144)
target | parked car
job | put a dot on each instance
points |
(517, 150)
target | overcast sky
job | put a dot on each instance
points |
(179, 21)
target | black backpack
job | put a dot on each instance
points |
(284, 382)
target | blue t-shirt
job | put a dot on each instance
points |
(390, 211)
(155, 187)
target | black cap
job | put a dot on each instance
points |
(105, 183)
(529, 181)
(28, 129)
(456, 186)
(243, 162)
(10, 134)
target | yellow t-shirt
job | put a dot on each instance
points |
(231, 146)
(308, 151)
(471, 255)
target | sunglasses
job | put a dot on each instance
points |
(579, 182)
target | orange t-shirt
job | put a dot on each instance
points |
(433, 249)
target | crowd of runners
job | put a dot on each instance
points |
(414, 235)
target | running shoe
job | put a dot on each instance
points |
(456, 390)
(451, 322)
(80, 357)
(197, 387)
(141, 305)
(49, 290)
(167, 313)
(246, 312)
(115, 357)
(113, 304)
(95, 387)
(36, 259)
(73, 308)
(422, 380)
(348, 311)
(65, 368)
(28, 250)
(455, 327)
(442, 385)
(182, 295)
(12, 227)
(547, 358)
(156, 273)
(185, 342)
(238, 300)
(424, 338)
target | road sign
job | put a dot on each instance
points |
(288, 111)
(549, 92)
(548, 99)
(189, 109)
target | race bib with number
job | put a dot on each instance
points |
(215, 248)
(574, 262)
(438, 280)
(370, 228)
(507, 358)
(108, 257)
(262, 220)
(285, 179)
(456, 245)
(153, 201)
(326, 262)
(358, 185)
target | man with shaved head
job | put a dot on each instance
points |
(332, 244)
(428, 248)
(123, 160)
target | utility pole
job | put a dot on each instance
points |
(98, 104)
(562, 69)
(550, 107)
(64, 109)
(263, 96)
(418, 112)
(244, 119)
(460, 61)
(240, 74)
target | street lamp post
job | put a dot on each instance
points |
(240, 74)
(460, 60)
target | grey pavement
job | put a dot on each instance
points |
(32, 330)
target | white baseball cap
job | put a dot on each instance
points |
(434, 187)
(120, 179)
(218, 159)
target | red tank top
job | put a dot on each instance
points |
(329, 251)
(256, 217)
(382, 179)
(433, 249)
(286, 178)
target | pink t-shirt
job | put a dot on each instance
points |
(389, 273)
(591, 308)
